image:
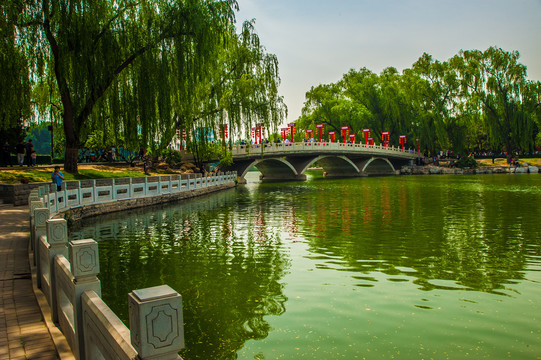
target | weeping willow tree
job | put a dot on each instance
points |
(495, 83)
(15, 83)
(435, 94)
(474, 101)
(240, 90)
(140, 70)
(361, 99)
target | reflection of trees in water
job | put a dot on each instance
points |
(227, 268)
(425, 229)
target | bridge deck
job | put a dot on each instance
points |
(308, 148)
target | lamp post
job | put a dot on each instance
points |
(50, 128)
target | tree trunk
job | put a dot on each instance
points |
(71, 157)
(72, 142)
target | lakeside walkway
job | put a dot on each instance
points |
(23, 333)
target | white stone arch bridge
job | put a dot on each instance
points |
(289, 161)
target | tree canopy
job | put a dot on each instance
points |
(475, 101)
(138, 71)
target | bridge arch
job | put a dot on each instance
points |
(334, 165)
(274, 168)
(377, 165)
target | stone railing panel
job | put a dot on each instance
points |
(65, 302)
(57, 238)
(156, 322)
(105, 335)
(41, 215)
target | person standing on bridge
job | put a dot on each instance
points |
(57, 178)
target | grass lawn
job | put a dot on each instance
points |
(503, 162)
(86, 171)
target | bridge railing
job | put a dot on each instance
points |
(74, 194)
(67, 273)
(253, 149)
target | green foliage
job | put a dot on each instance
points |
(225, 157)
(173, 158)
(466, 162)
(476, 101)
(15, 78)
(138, 71)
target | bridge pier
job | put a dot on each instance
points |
(282, 177)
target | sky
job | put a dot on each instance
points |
(317, 41)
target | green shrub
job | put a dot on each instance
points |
(466, 162)
(225, 157)
(43, 159)
(173, 158)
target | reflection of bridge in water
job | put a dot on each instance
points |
(289, 161)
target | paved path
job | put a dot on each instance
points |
(23, 333)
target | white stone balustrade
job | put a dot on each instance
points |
(156, 323)
(38, 229)
(49, 246)
(89, 192)
(72, 288)
(311, 147)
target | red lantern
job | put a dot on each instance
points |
(332, 136)
(366, 135)
(385, 137)
(353, 138)
(402, 141)
(309, 134)
(183, 138)
(344, 133)
(283, 133)
(223, 131)
(370, 141)
(417, 140)
(320, 130)
(292, 130)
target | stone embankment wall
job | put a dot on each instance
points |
(437, 170)
(16, 194)
(82, 212)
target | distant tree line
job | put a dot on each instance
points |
(133, 72)
(475, 101)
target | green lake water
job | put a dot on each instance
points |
(411, 267)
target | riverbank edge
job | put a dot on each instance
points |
(86, 211)
(482, 170)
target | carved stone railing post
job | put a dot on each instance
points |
(33, 196)
(41, 215)
(156, 325)
(33, 205)
(57, 237)
(85, 266)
